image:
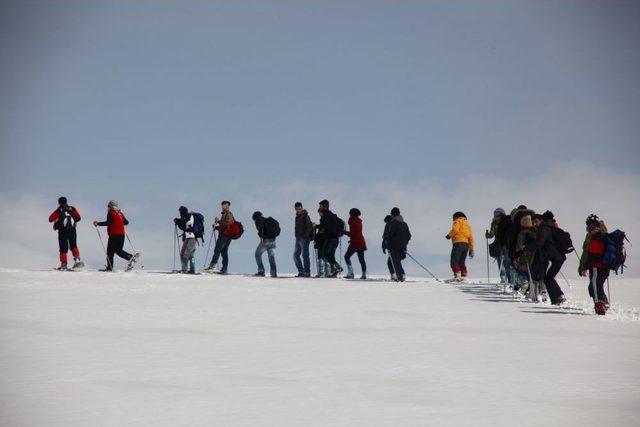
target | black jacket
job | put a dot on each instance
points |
(397, 234)
(303, 227)
(260, 226)
(544, 245)
(329, 225)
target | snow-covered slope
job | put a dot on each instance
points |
(95, 349)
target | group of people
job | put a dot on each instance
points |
(530, 248)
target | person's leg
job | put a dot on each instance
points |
(330, 251)
(306, 261)
(184, 258)
(73, 244)
(455, 263)
(120, 249)
(217, 250)
(603, 275)
(189, 253)
(553, 288)
(464, 250)
(296, 256)
(260, 249)
(63, 243)
(347, 260)
(271, 245)
(224, 252)
(392, 270)
(363, 264)
(396, 257)
(593, 274)
(112, 246)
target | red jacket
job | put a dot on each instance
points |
(357, 242)
(115, 223)
(64, 222)
(596, 252)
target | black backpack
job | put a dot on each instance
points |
(495, 249)
(562, 240)
(340, 226)
(271, 228)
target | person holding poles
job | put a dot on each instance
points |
(64, 220)
(115, 223)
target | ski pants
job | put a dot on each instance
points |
(349, 254)
(553, 288)
(268, 246)
(186, 255)
(222, 248)
(459, 253)
(67, 239)
(302, 248)
(505, 265)
(329, 251)
(115, 246)
(395, 262)
(597, 277)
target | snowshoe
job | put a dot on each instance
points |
(600, 308)
(77, 265)
(63, 267)
(259, 274)
(132, 261)
(363, 277)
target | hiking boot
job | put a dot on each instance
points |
(600, 308)
(561, 299)
(259, 274)
(78, 264)
(62, 267)
(349, 276)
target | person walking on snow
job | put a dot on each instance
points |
(331, 229)
(396, 239)
(303, 231)
(593, 250)
(462, 238)
(64, 220)
(185, 223)
(318, 242)
(357, 244)
(227, 229)
(547, 253)
(500, 226)
(115, 223)
(268, 230)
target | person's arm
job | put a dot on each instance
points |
(455, 227)
(124, 219)
(492, 230)
(55, 215)
(584, 258)
(471, 242)
(308, 225)
(75, 214)
(541, 238)
(106, 223)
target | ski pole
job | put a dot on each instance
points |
(486, 239)
(423, 267)
(132, 247)
(608, 291)
(565, 279)
(104, 249)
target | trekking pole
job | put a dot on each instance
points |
(608, 291)
(340, 244)
(565, 279)
(315, 260)
(423, 267)
(213, 233)
(104, 248)
(132, 247)
(486, 239)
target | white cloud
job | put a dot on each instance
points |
(571, 191)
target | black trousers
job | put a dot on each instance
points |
(598, 276)
(349, 254)
(67, 239)
(395, 262)
(553, 289)
(329, 250)
(115, 246)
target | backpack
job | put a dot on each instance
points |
(614, 252)
(198, 226)
(271, 228)
(494, 249)
(561, 240)
(65, 221)
(235, 230)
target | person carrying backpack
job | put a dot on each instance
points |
(64, 220)
(592, 260)
(357, 244)
(499, 229)
(115, 223)
(331, 227)
(228, 229)
(547, 253)
(323, 268)
(462, 238)
(186, 224)
(268, 230)
(304, 234)
(396, 239)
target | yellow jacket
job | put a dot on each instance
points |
(461, 232)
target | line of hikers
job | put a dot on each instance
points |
(530, 248)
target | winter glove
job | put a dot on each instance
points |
(175, 221)
(95, 223)
(384, 249)
(471, 254)
(486, 234)
(582, 273)
(447, 237)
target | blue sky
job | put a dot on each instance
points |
(162, 103)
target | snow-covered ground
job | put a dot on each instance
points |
(96, 349)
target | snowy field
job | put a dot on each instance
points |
(96, 349)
